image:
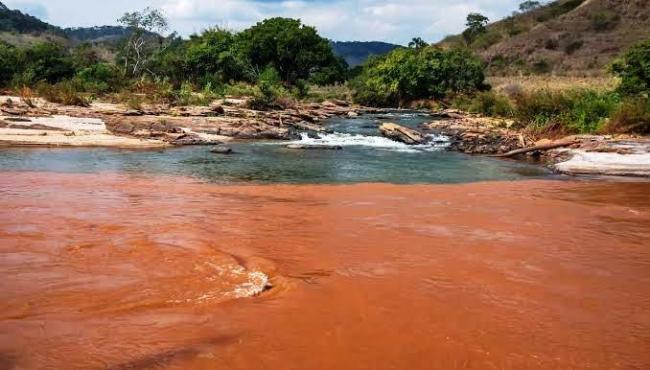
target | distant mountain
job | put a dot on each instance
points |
(357, 52)
(19, 28)
(565, 37)
(97, 34)
(16, 21)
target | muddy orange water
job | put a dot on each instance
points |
(106, 271)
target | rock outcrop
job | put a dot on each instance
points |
(402, 134)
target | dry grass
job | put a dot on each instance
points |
(25, 39)
(552, 83)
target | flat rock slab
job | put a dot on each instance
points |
(17, 137)
(612, 164)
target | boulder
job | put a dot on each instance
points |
(353, 114)
(217, 108)
(402, 134)
(220, 149)
(193, 139)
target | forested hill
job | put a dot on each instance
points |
(565, 36)
(14, 23)
(357, 52)
(97, 34)
(18, 22)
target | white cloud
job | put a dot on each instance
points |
(384, 20)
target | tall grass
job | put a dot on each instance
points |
(544, 111)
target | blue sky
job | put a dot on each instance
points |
(383, 20)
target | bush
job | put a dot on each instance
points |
(405, 75)
(184, 95)
(133, 102)
(239, 89)
(605, 20)
(333, 92)
(542, 66)
(557, 8)
(573, 46)
(487, 39)
(578, 111)
(64, 92)
(551, 44)
(634, 70)
(100, 78)
(632, 116)
(156, 90)
(487, 103)
(268, 90)
(8, 66)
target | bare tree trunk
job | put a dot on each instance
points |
(553, 145)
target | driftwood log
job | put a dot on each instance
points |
(548, 146)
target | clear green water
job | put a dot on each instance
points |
(366, 157)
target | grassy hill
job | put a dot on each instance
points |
(569, 37)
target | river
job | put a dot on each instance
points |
(142, 260)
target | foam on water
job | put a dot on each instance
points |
(378, 142)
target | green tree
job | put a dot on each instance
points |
(296, 51)
(476, 25)
(634, 70)
(47, 62)
(143, 41)
(529, 5)
(418, 43)
(9, 55)
(214, 57)
(409, 74)
(84, 56)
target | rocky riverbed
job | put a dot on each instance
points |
(114, 125)
(106, 124)
(622, 155)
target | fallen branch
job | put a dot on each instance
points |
(549, 146)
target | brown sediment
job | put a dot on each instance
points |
(108, 271)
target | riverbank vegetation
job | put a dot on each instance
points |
(279, 61)
(624, 109)
(276, 58)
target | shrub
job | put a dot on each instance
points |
(557, 8)
(487, 39)
(8, 67)
(542, 66)
(578, 111)
(133, 101)
(573, 46)
(634, 70)
(27, 96)
(605, 20)
(184, 95)
(99, 78)
(268, 89)
(337, 92)
(64, 92)
(551, 44)
(487, 103)
(405, 75)
(632, 116)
